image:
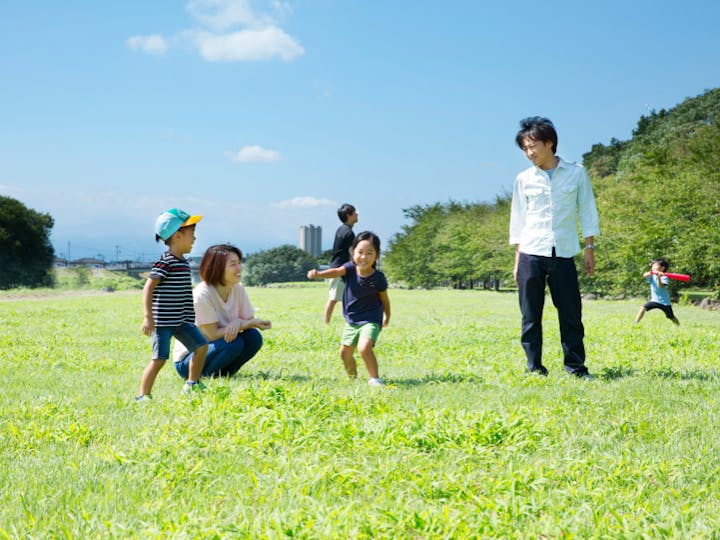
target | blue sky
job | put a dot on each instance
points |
(266, 115)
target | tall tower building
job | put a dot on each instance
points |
(311, 239)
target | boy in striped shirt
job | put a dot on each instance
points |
(168, 301)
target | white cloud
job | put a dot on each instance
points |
(254, 154)
(282, 8)
(154, 44)
(229, 31)
(304, 202)
(248, 45)
(223, 14)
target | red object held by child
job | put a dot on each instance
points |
(678, 277)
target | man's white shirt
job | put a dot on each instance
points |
(545, 211)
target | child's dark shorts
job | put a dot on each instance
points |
(655, 305)
(187, 333)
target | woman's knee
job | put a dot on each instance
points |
(253, 340)
(182, 367)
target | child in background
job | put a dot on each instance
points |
(659, 295)
(168, 301)
(366, 305)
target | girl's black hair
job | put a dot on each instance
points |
(537, 128)
(373, 238)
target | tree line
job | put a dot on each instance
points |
(26, 252)
(462, 245)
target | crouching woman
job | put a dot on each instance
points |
(224, 314)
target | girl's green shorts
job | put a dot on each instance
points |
(353, 332)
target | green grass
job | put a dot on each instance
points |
(461, 444)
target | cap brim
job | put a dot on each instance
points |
(192, 220)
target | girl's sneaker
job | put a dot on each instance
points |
(145, 397)
(377, 382)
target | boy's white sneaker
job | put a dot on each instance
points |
(376, 382)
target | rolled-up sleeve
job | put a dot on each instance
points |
(518, 211)
(587, 209)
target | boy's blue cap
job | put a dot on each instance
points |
(170, 221)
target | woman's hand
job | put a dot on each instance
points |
(232, 330)
(312, 274)
(261, 324)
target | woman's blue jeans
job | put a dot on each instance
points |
(224, 359)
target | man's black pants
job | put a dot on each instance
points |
(561, 276)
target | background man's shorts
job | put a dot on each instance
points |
(353, 332)
(336, 289)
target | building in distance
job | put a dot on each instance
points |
(311, 239)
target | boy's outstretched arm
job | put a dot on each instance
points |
(328, 273)
(385, 299)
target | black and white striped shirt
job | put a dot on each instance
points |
(172, 298)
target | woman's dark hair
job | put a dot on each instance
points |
(373, 238)
(212, 266)
(662, 262)
(344, 211)
(537, 128)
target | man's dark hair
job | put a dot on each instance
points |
(662, 262)
(537, 128)
(344, 211)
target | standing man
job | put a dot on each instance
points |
(548, 198)
(344, 237)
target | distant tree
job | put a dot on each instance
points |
(25, 248)
(277, 265)
(324, 257)
(601, 160)
(409, 253)
(456, 244)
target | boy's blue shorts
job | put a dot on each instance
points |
(187, 333)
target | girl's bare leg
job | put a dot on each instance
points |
(367, 351)
(348, 357)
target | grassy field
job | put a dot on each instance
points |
(460, 444)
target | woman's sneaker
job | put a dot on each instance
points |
(376, 382)
(192, 388)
